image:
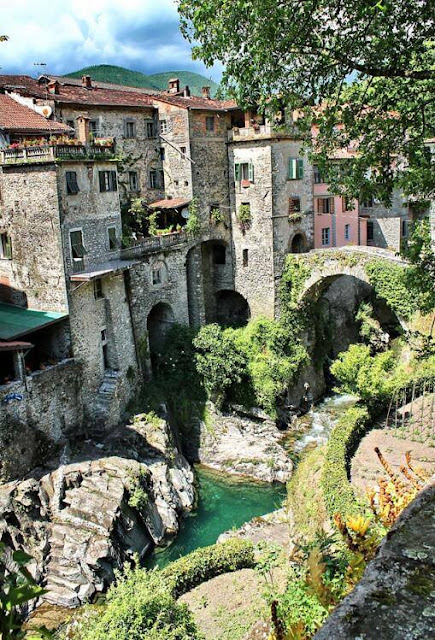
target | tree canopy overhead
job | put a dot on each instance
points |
(371, 64)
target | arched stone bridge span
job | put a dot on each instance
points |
(326, 265)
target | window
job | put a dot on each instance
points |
(133, 181)
(295, 168)
(318, 178)
(245, 257)
(108, 181)
(347, 203)
(347, 231)
(129, 129)
(104, 336)
(219, 254)
(368, 203)
(326, 236)
(150, 129)
(186, 183)
(209, 123)
(183, 150)
(112, 239)
(70, 123)
(162, 154)
(243, 172)
(404, 228)
(370, 232)
(157, 275)
(153, 179)
(72, 188)
(77, 249)
(294, 205)
(93, 127)
(98, 289)
(325, 205)
(163, 126)
(5, 246)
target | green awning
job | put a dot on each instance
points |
(17, 321)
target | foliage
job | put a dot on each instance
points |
(216, 216)
(305, 498)
(17, 588)
(273, 358)
(393, 495)
(390, 282)
(337, 491)
(370, 64)
(219, 360)
(421, 276)
(138, 491)
(193, 224)
(208, 562)
(140, 606)
(244, 216)
(370, 328)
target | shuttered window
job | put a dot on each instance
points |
(129, 129)
(243, 171)
(295, 168)
(112, 239)
(77, 249)
(5, 246)
(294, 205)
(107, 181)
(325, 205)
(72, 188)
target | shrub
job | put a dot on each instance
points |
(218, 360)
(390, 282)
(140, 606)
(337, 491)
(208, 562)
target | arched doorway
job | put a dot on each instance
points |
(160, 320)
(298, 243)
(232, 309)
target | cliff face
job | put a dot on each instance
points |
(84, 519)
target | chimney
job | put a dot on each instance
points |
(83, 128)
(53, 87)
(173, 85)
(87, 82)
(206, 93)
(186, 92)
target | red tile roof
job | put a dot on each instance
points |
(169, 203)
(16, 117)
(196, 102)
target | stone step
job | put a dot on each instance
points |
(63, 597)
(54, 582)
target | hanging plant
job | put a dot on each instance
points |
(244, 217)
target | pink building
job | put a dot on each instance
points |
(337, 221)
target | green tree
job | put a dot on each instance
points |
(370, 63)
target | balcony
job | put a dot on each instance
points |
(261, 131)
(153, 244)
(58, 152)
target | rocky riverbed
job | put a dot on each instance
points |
(244, 443)
(104, 502)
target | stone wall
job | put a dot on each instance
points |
(50, 409)
(387, 221)
(90, 210)
(30, 215)
(139, 153)
(253, 246)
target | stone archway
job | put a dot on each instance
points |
(298, 243)
(232, 309)
(160, 320)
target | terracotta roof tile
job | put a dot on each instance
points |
(169, 203)
(17, 117)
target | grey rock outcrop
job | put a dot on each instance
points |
(246, 446)
(396, 596)
(86, 518)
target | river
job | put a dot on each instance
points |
(226, 501)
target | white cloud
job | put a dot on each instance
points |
(70, 34)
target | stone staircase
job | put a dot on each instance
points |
(106, 396)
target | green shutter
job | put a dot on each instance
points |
(300, 168)
(8, 248)
(292, 168)
(113, 181)
(251, 172)
(237, 172)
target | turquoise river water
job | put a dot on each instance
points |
(226, 502)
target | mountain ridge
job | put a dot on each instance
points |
(128, 77)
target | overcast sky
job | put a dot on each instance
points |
(70, 34)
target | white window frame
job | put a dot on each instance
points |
(326, 233)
